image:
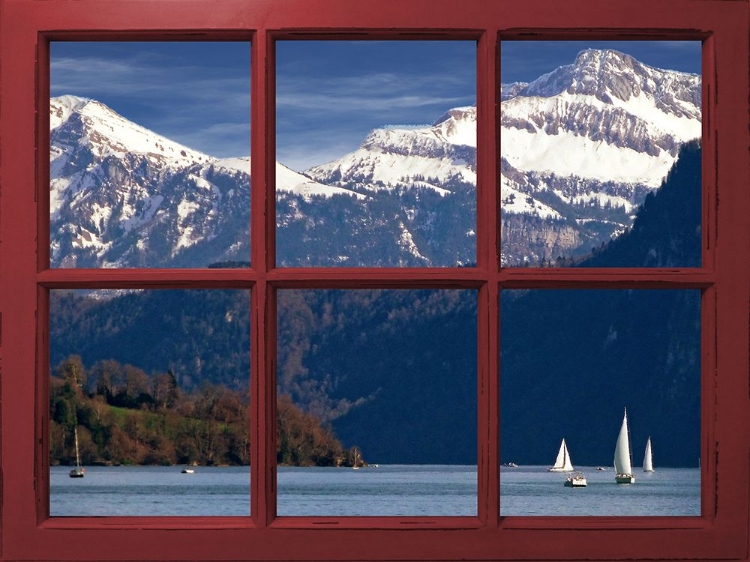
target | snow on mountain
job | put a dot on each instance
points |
(580, 148)
(122, 195)
(605, 107)
(429, 157)
(115, 184)
(610, 75)
(289, 181)
(599, 133)
(110, 133)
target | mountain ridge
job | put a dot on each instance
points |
(123, 196)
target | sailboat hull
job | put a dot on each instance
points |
(625, 479)
(560, 469)
(77, 473)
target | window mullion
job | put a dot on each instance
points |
(488, 150)
(263, 432)
(488, 254)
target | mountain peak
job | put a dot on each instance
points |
(73, 118)
(70, 101)
(608, 74)
(603, 56)
(62, 107)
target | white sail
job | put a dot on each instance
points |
(648, 461)
(562, 462)
(622, 449)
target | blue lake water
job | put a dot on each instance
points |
(383, 491)
(666, 491)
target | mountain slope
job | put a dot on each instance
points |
(123, 196)
(573, 359)
(395, 371)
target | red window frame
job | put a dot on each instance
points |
(723, 529)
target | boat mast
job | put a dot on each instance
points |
(78, 458)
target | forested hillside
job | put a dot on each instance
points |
(124, 416)
(394, 372)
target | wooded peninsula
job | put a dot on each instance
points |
(123, 416)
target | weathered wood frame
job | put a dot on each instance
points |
(27, 27)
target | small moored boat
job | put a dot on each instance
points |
(78, 471)
(577, 480)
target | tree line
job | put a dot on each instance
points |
(123, 416)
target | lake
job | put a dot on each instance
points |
(392, 490)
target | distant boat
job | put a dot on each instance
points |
(357, 462)
(648, 460)
(577, 480)
(188, 470)
(562, 463)
(77, 472)
(510, 465)
(623, 462)
(600, 468)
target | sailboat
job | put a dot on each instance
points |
(623, 463)
(648, 460)
(562, 463)
(77, 472)
(357, 459)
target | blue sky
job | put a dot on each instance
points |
(523, 61)
(330, 94)
(195, 93)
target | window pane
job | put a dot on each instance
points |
(149, 154)
(377, 415)
(376, 143)
(149, 394)
(572, 362)
(600, 142)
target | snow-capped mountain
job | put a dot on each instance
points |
(571, 120)
(393, 157)
(599, 133)
(580, 149)
(124, 196)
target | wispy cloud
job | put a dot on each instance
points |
(193, 104)
(329, 94)
(372, 92)
(304, 152)
(354, 104)
(320, 118)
